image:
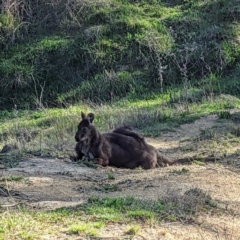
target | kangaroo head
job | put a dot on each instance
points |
(84, 127)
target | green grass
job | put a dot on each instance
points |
(198, 162)
(14, 178)
(129, 208)
(133, 230)
(27, 224)
(93, 217)
(87, 228)
(107, 50)
(180, 172)
(111, 176)
(224, 115)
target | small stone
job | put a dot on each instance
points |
(112, 169)
(7, 148)
(2, 166)
(67, 160)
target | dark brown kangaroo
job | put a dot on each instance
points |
(120, 148)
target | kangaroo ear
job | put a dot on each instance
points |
(83, 115)
(90, 117)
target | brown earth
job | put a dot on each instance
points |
(53, 183)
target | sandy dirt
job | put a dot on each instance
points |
(53, 183)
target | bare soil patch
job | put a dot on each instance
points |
(52, 183)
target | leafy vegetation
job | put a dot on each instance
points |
(99, 212)
(57, 53)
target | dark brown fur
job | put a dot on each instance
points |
(120, 148)
(126, 130)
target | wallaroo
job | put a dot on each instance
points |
(120, 148)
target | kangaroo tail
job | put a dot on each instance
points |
(162, 160)
(203, 159)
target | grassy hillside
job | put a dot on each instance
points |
(58, 52)
(153, 65)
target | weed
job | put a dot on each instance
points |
(9, 160)
(185, 139)
(133, 230)
(14, 179)
(224, 115)
(237, 152)
(235, 130)
(207, 133)
(111, 176)
(141, 214)
(138, 168)
(198, 162)
(205, 197)
(88, 163)
(180, 172)
(87, 228)
(187, 148)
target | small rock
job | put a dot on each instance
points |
(7, 148)
(2, 166)
(113, 170)
(67, 160)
